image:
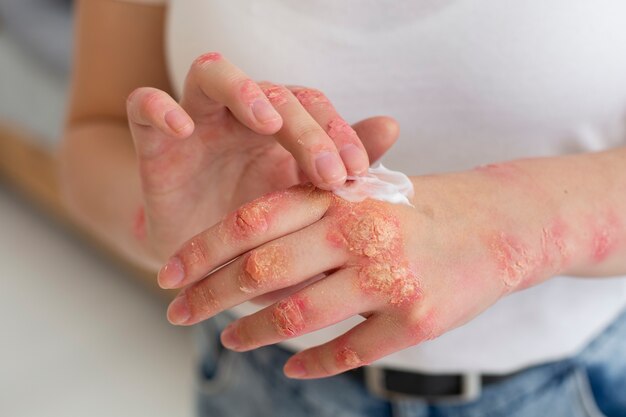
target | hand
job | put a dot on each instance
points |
(413, 273)
(231, 140)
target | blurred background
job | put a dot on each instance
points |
(81, 334)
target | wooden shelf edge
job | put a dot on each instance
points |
(32, 171)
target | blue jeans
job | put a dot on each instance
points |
(592, 384)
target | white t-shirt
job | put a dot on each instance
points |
(471, 82)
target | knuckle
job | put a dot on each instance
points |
(311, 137)
(202, 300)
(263, 268)
(251, 219)
(311, 96)
(194, 253)
(421, 328)
(346, 357)
(288, 317)
(338, 128)
(249, 90)
(278, 95)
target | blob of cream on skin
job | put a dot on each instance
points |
(380, 184)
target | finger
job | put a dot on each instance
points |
(380, 335)
(260, 221)
(378, 135)
(282, 263)
(306, 140)
(151, 111)
(328, 301)
(346, 140)
(213, 85)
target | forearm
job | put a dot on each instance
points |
(586, 196)
(547, 216)
(101, 186)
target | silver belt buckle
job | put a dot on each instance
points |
(471, 387)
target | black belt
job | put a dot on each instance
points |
(393, 384)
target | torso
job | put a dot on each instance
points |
(471, 82)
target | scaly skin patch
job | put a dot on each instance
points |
(347, 357)
(209, 58)
(310, 97)
(339, 127)
(605, 236)
(390, 280)
(513, 259)
(370, 232)
(249, 92)
(263, 265)
(287, 316)
(553, 245)
(276, 94)
(602, 242)
(202, 301)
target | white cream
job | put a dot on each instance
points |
(379, 183)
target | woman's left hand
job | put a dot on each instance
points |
(412, 272)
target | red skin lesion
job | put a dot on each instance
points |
(275, 94)
(373, 235)
(555, 252)
(605, 234)
(339, 128)
(208, 58)
(263, 265)
(514, 259)
(288, 316)
(309, 97)
(348, 358)
(249, 92)
(139, 224)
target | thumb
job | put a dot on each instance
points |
(156, 121)
(378, 135)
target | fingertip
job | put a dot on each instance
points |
(392, 128)
(264, 112)
(330, 170)
(178, 312)
(295, 369)
(355, 159)
(172, 274)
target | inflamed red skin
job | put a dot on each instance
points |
(413, 273)
(228, 140)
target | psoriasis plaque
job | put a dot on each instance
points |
(374, 237)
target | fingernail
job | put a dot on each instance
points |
(177, 120)
(354, 158)
(172, 274)
(230, 338)
(330, 167)
(178, 311)
(295, 369)
(264, 111)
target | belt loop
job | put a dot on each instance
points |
(471, 386)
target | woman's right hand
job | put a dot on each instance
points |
(230, 140)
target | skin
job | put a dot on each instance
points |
(472, 237)
(176, 166)
(414, 273)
